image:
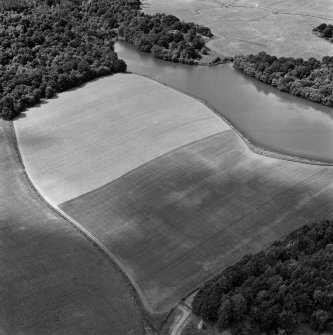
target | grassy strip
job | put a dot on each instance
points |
(146, 317)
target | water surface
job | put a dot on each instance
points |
(267, 117)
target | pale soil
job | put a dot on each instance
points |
(53, 281)
(90, 136)
(283, 27)
(181, 218)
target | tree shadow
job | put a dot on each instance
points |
(45, 101)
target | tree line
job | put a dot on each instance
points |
(277, 290)
(324, 31)
(165, 36)
(49, 46)
(310, 79)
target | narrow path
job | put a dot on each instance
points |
(181, 323)
(233, 4)
(29, 194)
(79, 227)
(276, 11)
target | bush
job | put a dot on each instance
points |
(325, 31)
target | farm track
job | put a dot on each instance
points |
(99, 245)
(8, 133)
(180, 324)
(274, 11)
(278, 12)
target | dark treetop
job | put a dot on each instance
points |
(53, 45)
(275, 290)
(310, 79)
(324, 31)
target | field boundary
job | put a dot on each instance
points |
(145, 164)
(257, 149)
(139, 300)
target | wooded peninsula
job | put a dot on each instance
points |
(310, 79)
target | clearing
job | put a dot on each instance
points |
(282, 28)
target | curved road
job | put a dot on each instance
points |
(179, 325)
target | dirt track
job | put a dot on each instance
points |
(53, 280)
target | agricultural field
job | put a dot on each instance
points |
(179, 219)
(168, 188)
(53, 280)
(282, 28)
(90, 136)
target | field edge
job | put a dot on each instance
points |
(255, 148)
(151, 321)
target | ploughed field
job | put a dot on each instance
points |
(86, 137)
(282, 28)
(167, 187)
(53, 280)
(179, 219)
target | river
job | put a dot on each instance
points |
(267, 117)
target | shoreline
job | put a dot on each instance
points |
(214, 55)
(257, 149)
(211, 54)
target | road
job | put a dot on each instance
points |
(182, 321)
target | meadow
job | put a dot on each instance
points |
(53, 280)
(282, 28)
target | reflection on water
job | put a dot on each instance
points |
(266, 116)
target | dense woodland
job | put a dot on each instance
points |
(324, 31)
(165, 36)
(49, 46)
(275, 291)
(310, 79)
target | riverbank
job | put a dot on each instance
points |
(260, 150)
(211, 58)
(271, 120)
